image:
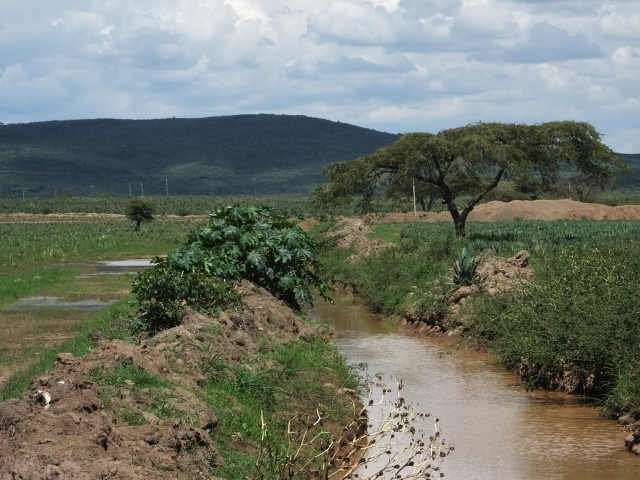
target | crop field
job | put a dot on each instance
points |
(508, 237)
(30, 244)
(59, 259)
(173, 205)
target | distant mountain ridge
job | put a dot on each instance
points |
(226, 155)
(239, 154)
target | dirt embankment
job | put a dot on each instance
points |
(526, 210)
(64, 427)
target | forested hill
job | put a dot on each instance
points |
(633, 180)
(216, 155)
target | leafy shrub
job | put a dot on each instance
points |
(162, 292)
(248, 242)
(578, 314)
(252, 242)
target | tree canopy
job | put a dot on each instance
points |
(472, 160)
(139, 211)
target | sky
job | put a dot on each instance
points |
(391, 65)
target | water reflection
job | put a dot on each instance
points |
(54, 303)
(500, 430)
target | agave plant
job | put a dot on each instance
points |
(464, 269)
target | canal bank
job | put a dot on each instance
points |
(500, 431)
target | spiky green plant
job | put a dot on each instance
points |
(464, 269)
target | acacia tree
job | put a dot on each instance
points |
(472, 160)
(139, 211)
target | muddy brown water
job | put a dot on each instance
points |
(500, 431)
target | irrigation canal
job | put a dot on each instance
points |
(500, 431)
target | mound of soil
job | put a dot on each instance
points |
(496, 275)
(63, 429)
(352, 232)
(526, 210)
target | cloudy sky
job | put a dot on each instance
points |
(393, 65)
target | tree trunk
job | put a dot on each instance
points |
(138, 222)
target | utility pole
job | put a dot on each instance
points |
(414, 198)
(129, 189)
(23, 195)
(166, 185)
(141, 190)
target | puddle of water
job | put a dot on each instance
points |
(35, 303)
(132, 262)
(118, 267)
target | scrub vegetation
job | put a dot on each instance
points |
(572, 326)
(286, 403)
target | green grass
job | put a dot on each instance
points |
(18, 285)
(284, 380)
(79, 345)
(388, 232)
(30, 245)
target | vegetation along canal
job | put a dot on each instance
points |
(499, 430)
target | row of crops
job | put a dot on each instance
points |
(509, 237)
(287, 205)
(25, 244)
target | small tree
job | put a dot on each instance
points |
(473, 160)
(139, 211)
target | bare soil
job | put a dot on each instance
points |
(77, 436)
(526, 210)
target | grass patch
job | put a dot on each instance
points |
(388, 232)
(30, 245)
(78, 345)
(21, 284)
(283, 383)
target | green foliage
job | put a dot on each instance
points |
(273, 387)
(254, 243)
(250, 242)
(578, 314)
(162, 293)
(473, 160)
(139, 211)
(509, 237)
(397, 276)
(464, 269)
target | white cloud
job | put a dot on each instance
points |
(548, 43)
(395, 65)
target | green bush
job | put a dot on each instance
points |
(254, 243)
(578, 314)
(249, 242)
(162, 293)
